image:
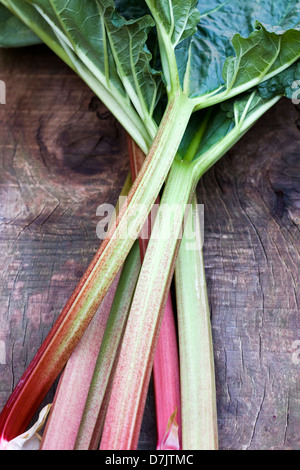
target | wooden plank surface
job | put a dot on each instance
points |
(62, 155)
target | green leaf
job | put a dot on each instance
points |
(232, 51)
(238, 108)
(281, 84)
(13, 33)
(177, 19)
(113, 48)
(205, 129)
(28, 16)
(238, 44)
(131, 9)
(175, 22)
(80, 26)
(246, 111)
(263, 54)
(132, 57)
(42, 22)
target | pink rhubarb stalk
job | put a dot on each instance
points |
(89, 433)
(73, 388)
(131, 381)
(166, 362)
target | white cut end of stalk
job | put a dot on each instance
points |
(171, 438)
(3, 443)
(29, 440)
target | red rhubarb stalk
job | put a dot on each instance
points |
(166, 362)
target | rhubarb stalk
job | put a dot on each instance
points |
(142, 330)
(73, 388)
(198, 390)
(166, 362)
(72, 391)
(88, 437)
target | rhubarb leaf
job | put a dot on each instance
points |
(13, 33)
(235, 48)
(41, 18)
(131, 9)
(215, 123)
(236, 114)
(132, 57)
(113, 48)
(226, 48)
(282, 84)
(28, 15)
(80, 26)
(175, 19)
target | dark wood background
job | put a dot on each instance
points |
(62, 154)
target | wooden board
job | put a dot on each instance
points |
(62, 155)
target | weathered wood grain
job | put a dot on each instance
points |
(62, 154)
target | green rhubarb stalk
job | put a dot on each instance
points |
(89, 432)
(198, 389)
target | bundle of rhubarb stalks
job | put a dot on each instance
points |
(186, 80)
